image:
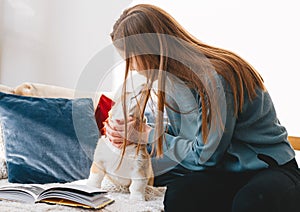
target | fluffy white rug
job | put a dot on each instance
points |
(153, 203)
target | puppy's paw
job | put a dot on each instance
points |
(137, 197)
(93, 181)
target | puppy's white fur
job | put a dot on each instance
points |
(135, 170)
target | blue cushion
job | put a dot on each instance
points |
(47, 139)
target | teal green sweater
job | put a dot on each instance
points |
(255, 131)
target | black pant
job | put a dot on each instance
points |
(275, 189)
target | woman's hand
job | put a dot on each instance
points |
(115, 131)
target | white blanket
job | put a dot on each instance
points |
(122, 203)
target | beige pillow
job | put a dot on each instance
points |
(43, 90)
(52, 91)
(6, 89)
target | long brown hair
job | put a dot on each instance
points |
(144, 19)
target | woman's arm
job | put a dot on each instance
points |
(186, 146)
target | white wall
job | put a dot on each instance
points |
(1, 31)
(51, 41)
(265, 33)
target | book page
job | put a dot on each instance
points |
(75, 194)
(21, 192)
(69, 186)
(79, 193)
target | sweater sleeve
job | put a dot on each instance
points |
(186, 146)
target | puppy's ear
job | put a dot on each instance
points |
(25, 89)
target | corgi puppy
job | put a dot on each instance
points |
(135, 170)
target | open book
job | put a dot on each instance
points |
(64, 194)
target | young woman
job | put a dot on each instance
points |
(222, 147)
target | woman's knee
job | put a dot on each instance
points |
(249, 200)
(270, 190)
